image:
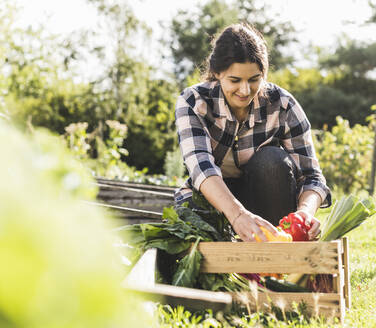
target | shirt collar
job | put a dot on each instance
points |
(221, 108)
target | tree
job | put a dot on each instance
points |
(35, 84)
(372, 5)
(341, 84)
(39, 84)
(192, 32)
(132, 95)
(349, 72)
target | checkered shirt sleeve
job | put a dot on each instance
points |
(194, 140)
(298, 142)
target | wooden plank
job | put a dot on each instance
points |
(338, 284)
(143, 273)
(144, 186)
(134, 192)
(134, 198)
(271, 257)
(131, 211)
(141, 280)
(192, 299)
(346, 266)
(325, 304)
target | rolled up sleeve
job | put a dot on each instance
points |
(194, 141)
(298, 142)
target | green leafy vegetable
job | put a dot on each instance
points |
(188, 268)
(181, 227)
(170, 215)
(171, 246)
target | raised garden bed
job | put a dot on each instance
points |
(247, 257)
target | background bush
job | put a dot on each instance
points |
(345, 155)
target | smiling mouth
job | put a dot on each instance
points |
(242, 98)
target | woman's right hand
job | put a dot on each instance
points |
(247, 225)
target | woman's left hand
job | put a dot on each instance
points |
(311, 221)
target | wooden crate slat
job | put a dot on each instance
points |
(143, 272)
(309, 257)
(325, 304)
(346, 267)
(191, 298)
(141, 280)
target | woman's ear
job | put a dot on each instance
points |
(217, 76)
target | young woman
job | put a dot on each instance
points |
(246, 142)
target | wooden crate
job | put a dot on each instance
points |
(247, 257)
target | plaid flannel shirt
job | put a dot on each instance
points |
(207, 130)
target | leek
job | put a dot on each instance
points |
(347, 214)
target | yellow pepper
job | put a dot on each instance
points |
(282, 236)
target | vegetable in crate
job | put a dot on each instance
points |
(295, 225)
(282, 235)
(182, 226)
(346, 215)
(188, 268)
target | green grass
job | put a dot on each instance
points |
(363, 290)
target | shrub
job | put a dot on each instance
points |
(174, 165)
(345, 154)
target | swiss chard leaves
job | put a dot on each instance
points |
(188, 268)
(170, 245)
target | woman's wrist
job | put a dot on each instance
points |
(309, 202)
(233, 220)
(235, 214)
(306, 208)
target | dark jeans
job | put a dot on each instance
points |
(268, 186)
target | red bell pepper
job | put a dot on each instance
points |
(295, 225)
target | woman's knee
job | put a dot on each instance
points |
(270, 159)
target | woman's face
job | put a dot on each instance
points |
(240, 83)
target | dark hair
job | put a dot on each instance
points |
(238, 43)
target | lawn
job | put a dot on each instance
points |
(363, 289)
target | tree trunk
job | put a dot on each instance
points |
(373, 169)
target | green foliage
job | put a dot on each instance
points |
(40, 88)
(344, 154)
(350, 73)
(372, 5)
(108, 162)
(192, 32)
(58, 264)
(174, 164)
(180, 317)
(183, 227)
(342, 83)
(153, 128)
(77, 139)
(108, 152)
(193, 78)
